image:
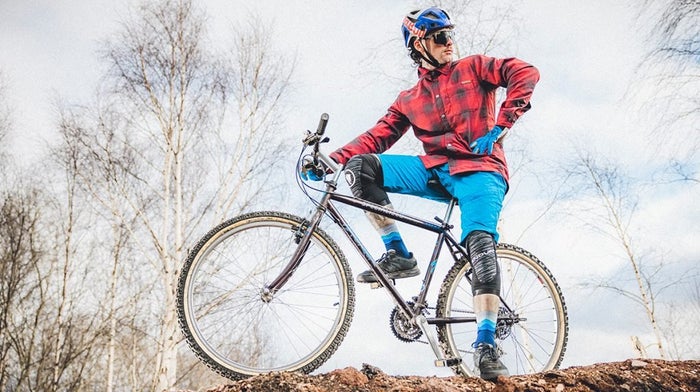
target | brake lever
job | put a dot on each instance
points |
(310, 138)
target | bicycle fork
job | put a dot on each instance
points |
(304, 233)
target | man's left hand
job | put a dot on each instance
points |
(484, 144)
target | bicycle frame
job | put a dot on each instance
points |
(326, 206)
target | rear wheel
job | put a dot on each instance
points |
(238, 328)
(532, 329)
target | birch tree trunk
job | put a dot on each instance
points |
(164, 159)
(174, 94)
(619, 204)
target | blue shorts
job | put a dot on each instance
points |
(480, 194)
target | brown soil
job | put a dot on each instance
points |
(631, 375)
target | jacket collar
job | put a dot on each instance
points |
(433, 74)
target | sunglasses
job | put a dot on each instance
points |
(441, 37)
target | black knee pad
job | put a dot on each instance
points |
(365, 177)
(482, 253)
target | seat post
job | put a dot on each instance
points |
(450, 207)
(435, 184)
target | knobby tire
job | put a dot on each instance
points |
(239, 332)
(536, 342)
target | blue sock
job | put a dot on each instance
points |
(486, 328)
(394, 241)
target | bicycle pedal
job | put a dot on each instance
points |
(379, 285)
(448, 362)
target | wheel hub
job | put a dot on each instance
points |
(266, 295)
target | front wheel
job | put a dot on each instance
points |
(240, 329)
(532, 328)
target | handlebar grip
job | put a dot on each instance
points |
(322, 124)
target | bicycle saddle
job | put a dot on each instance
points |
(437, 186)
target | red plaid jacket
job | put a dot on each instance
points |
(451, 107)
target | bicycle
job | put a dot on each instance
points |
(270, 291)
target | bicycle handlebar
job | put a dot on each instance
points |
(315, 139)
(322, 124)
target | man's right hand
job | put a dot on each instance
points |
(312, 172)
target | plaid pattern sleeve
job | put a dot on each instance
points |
(377, 139)
(518, 77)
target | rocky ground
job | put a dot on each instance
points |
(631, 375)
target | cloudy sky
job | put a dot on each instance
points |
(587, 54)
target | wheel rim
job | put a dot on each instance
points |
(237, 325)
(534, 342)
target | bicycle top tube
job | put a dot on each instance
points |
(331, 191)
(389, 213)
(315, 139)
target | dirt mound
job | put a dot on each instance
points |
(631, 375)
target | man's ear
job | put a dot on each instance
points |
(417, 45)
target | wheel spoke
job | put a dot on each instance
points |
(241, 330)
(533, 337)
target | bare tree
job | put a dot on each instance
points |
(160, 70)
(19, 258)
(675, 28)
(163, 159)
(44, 341)
(681, 321)
(672, 69)
(607, 204)
(94, 178)
(108, 175)
(258, 78)
(68, 211)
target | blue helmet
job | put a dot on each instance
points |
(420, 23)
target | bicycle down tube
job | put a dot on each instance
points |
(415, 314)
(444, 237)
(325, 206)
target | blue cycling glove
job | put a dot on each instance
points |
(312, 172)
(484, 144)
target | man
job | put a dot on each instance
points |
(452, 112)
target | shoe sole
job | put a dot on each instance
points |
(490, 376)
(392, 275)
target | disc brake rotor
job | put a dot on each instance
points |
(504, 326)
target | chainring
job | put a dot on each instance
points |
(404, 329)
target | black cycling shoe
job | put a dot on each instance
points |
(486, 362)
(394, 267)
